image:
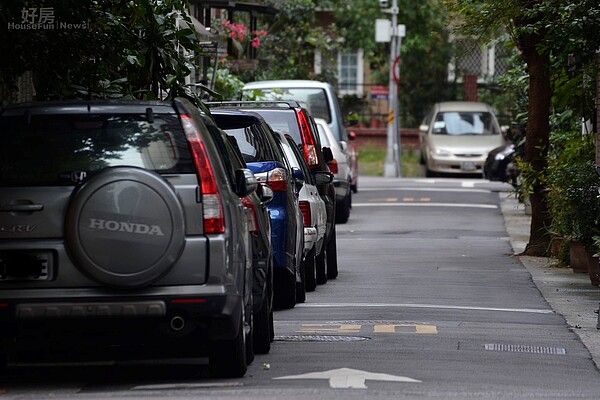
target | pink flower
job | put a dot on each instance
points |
(256, 42)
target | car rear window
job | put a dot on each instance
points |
(49, 149)
(282, 120)
(313, 99)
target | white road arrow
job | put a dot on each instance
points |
(347, 378)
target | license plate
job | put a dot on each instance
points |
(468, 166)
(25, 266)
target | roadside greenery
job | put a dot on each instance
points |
(126, 49)
(557, 43)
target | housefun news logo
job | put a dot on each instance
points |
(41, 18)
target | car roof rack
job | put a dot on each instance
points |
(258, 103)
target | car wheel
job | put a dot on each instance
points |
(429, 173)
(342, 214)
(300, 288)
(310, 278)
(321, 268)
(272, 325)
(332, 262)
(249, 331)
(227, 358)
(263, 321)
(285, 288)
(137, 259)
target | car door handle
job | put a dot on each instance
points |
(21, 207)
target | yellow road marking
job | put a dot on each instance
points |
(427, 329)
(342, 328)
(355, 328)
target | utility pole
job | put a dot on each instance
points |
(393, 165)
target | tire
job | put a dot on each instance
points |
(321, 266)
(250, 333)
(272, 324)
(263, 322)
(284, 289)
(332, 260)
(136, 260)
(342, 214)
(227, 358)
(310, 278)
(300, 288)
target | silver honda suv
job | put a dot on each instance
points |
(122, 234)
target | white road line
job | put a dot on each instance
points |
(424, 204)
(426, 189)
(434, 306)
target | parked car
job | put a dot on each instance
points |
(340, 167)
(312, 207)
(259, 226)
(122, 228)
(321, 101)
(456, 137)
(262, 155)
(290, 117)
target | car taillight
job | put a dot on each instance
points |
(333, 166)
(212, 205)
(308, 141)
(277, 179)
(305, 208)
(253, 218)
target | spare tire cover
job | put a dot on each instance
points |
(125, 227)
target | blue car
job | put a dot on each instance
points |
(254, 138)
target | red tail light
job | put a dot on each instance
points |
(305, 208)
(310, 148)
(253, 219)
(214, 222)
(333, 166)
(277, 179)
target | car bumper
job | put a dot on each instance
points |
(214, 308)
(457, 165)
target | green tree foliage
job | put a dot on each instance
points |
(425, 51)
(124, 49)
(294, 34)
(547, 34)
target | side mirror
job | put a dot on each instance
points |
(343, 145)
(265, 193)
(298, 178)
(245, 182)
(423, 128)
(328, 154)
(322, 178)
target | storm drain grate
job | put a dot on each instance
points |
(526, 349)
(320, 338)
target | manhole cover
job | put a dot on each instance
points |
(320, 338)
(526, 349)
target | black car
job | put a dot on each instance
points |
(262, 155)
(122, 234)
(259, 226)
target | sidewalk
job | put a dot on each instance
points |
(568, 293)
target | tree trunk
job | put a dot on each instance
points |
(537, 139)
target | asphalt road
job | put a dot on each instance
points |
(429, 303)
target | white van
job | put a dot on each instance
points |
(319, 98)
